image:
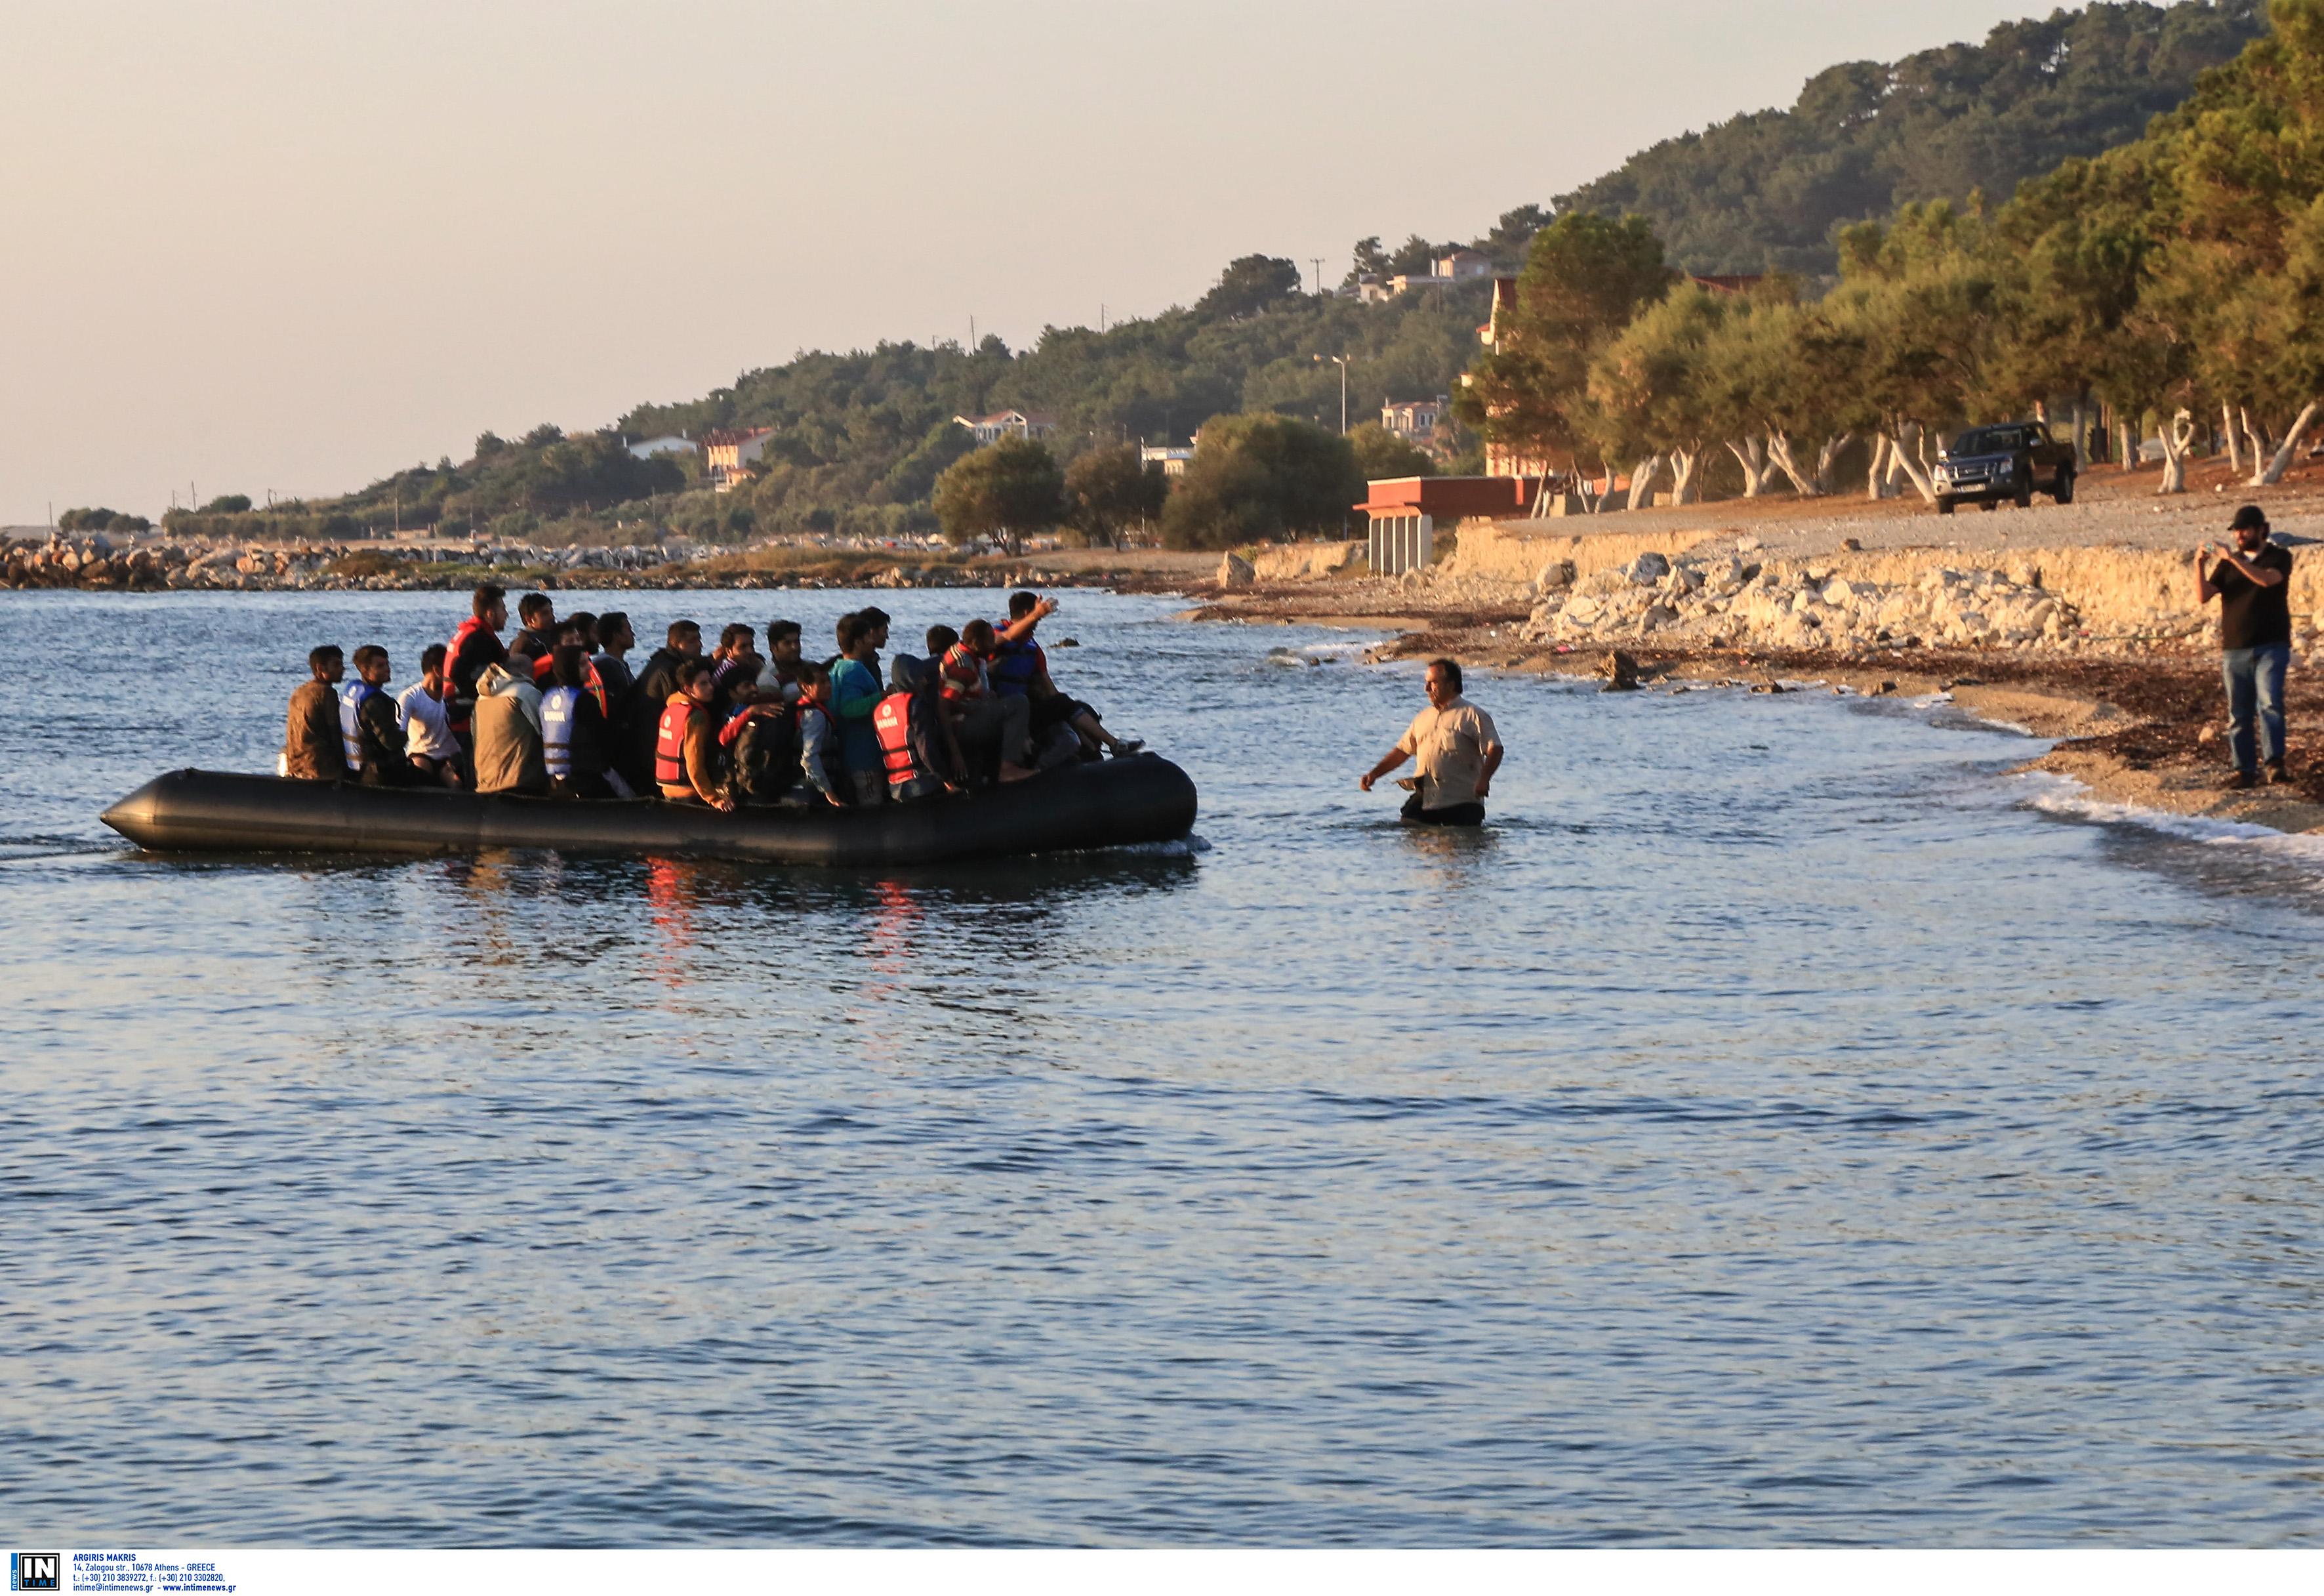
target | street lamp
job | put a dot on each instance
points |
(1341, 362)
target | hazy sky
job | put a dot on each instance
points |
(291, 246)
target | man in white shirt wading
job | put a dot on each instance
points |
(1458, 750)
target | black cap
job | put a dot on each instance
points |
(2248, 516)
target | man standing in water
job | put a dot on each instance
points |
(1458, 750)
(2253, 583)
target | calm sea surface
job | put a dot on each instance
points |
(1777, 1127)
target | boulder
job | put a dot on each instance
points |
(1649, 568)
(1235, 571)
(1620, 669)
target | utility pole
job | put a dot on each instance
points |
(1317, 261)
(1100, 318)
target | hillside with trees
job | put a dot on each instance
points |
(1600, 371)
(1766, 191)
(2167, 288)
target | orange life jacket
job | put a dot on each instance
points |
(670, 741)
(891, 722)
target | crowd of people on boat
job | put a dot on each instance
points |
(557, 710)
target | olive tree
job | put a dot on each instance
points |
(1005, 490)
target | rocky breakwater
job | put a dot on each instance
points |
(2099, 601)
(97, 562)
(1727, 601)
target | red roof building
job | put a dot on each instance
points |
(1405, 510)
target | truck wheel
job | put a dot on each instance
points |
(2024, 495)
(1944, 504)
(2065, 492)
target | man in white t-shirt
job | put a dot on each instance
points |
(1458, 750)
(428, 740)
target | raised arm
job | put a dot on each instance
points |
(1018, 631)
(2261, 575)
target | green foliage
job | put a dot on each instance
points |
(1262, 478)
(1109, 491)
(715, 518)
(101, 520)
(1250, 286)
(227, 505)
(1585, 277)
(263, 526)
(1381, 453)
(1006, 491)
(1765, 190)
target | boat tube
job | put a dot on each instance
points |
(1143, 799)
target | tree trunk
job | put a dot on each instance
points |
(2235, 440)
(2277, 467)
(1828, 460)
(1642, 482)
(2081, 432)
(1876, 485)
(1815, 486)
(2254, 441)
(1684, 462)
(1902, 458)
(1751, 454)
(2128, 446)
(2175, 437)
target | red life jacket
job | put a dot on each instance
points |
(460, 698)
(595, 684)
(670, 741)
(893, 725)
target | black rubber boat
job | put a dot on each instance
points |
(1144, 799)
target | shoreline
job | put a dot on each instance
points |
(2069, 622)
(2146, 731)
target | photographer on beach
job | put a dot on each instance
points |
(2253, 583)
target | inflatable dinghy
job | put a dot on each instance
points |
(1144, 799)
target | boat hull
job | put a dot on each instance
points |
(1141, 799)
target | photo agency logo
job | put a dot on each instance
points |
(35, 1571)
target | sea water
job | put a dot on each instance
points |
(1779, 1125)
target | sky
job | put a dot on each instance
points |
(286, 248)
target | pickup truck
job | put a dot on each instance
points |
(2006, 461)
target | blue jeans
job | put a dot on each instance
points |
(2255, 678)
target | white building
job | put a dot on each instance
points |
(678, 444)
(1000, 424)
(1415, 419)
(729, 454)
(1463, 265)
(1172, 458)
